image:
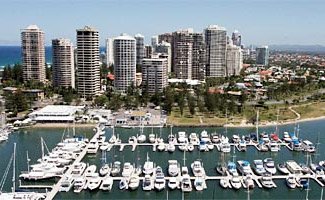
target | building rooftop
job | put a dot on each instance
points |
(31, 27)
(124, 36)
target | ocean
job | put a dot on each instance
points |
(29, 140)
(10, 55)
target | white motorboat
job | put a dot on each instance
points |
(210, 145)
(282, 168)
(107, 184)
(66, 184)
(249, 182)
(93, 182)
(182, 147)
(161, 146)
(215, 138)
(235, 138)
(173, 169)
(286, 137)
(244, 167)
(134, 182)
(93, 146)
(148, 166)
(291, 182)
(127, 169)
(141, 138)
(242, 145)
(124, 183)
(147, 183)
(105, 170)
(116, 168)
(42, 173)
(205, 136)
(267, 182)
(308, 146)
(78, 169)
(90, 170)
(197, 168)
(199, 183)
(113, 139)
(171, 147)
(160, 182)
(194, 139)
(235, 182)
(269, 165)
(203, 146)
(173, 183)
(152, 138)
(232, 169)
(274, 146)
(225, 147)
(101, 139)
(182, 137)
(104, 146)
(224, 183)
(133, 140)
(79, 184)
(186, 184)
(190, 147)
(259, 167)
(172, 139)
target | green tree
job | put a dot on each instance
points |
(191, 104)
(101, 100)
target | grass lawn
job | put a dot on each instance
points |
(316, 109)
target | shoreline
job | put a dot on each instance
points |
(61, 125)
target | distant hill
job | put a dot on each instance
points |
(299, 48)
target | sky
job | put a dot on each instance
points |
(261, 22)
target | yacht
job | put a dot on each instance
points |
(148, 166)
(66, 184)
(46, 172)
(242, 145)
(152, 138)
(235, 182)
(105, 170)
(160, 181)
(172, 139)
(79, 184)
(173, 183)
(286, 137)
(269, 165)
(210, 145)
(134, 182)
(265, 137)
(224, 182)
(215, 138)
(141, 138)
(244, 167)
(203, 146)
(267, 181)
(249, 182)
(197, 168)
(124, 183)
(225, 146)
(127, 169)
(232, 169)
(274, 146)
(161, 146)
(194, 139)
(171, 147)
(186, 185)
(296, 145)
(235, 138)
(182, 137)
(93, 147)
(199, 183)
(291, 182)
(262, 146)
(205, 136)
(104, 146)
(93, 182)
(173, 168)
(190, 147)
(308, 146)
(259, 167)
(90, 170)
(116, 168)
(147, 183)
(107, 184)
(132, 140)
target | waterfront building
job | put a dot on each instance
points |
(216, 44)
(63, 73)
(262, 55)
(109, 52)
(189, 54)
(165, 51)
(124, 62)
(33, 54)
(234, 60)
(139, 48)
(154, 75)
(88, 68)
(236, 38)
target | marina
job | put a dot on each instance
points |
(141, 151)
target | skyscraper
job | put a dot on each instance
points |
(262, 55)
(154, 41)
(234, 59)
(33, 54)
(236, 38)
(63, 63)
(164, 49)
(109, 52)
(88, 69)
(154, 75)
(216, 44)
(198, 57)
(124, 62)
(139, 48)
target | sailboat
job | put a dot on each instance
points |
(15, 194)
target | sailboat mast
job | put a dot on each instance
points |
(14, 171)
(277, 121)
(257, 118)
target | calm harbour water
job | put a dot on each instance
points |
(29, 140)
